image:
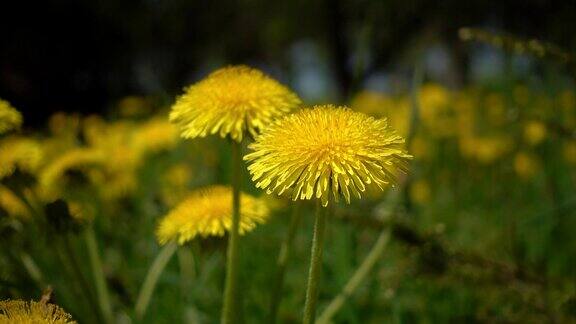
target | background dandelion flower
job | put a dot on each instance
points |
(12, 204)
(327, 148)
(208, 212)
(18, 152)
(52, 178)
(22, 312)
(10, 118)
(230, 101)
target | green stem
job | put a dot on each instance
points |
(283, 256)
(230, 308)
(77, 290)
(358, 277)
(315, 265)
(73, 259)
(32, 269)
(187, 265)
(99, 278)
(151, 279)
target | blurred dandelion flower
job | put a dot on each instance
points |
(535, 132)
(51, 178)
(327, 148)
(420, 192)
(10, 118)
(208, 212)
(486, 149)
(230, 101)
(398, 112)
(13, 206)
(526, 165)
(155, 135)
(19, 152)
(436, 110)
(22, 312)
(372, 103)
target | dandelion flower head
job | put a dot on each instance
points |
(22, 312)
(10, 118)
(326, 149)
(12, 205)
(52, 178)
(208, 212)
(154, 135)
(18, 152)
(535, 132)
(230, 101)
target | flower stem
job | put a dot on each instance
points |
(315, 265)
(151, 279)
(32, 269)
(230, 308)
(99, 279)
(77, 270)
(359, 276)
(79, 292)
(187, 266)
(283, 256)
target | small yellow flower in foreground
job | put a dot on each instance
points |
(230, 101)
(10, 118)
(22, 312)
(208, 212)
(327, 148)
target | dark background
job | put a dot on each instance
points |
(66, 55)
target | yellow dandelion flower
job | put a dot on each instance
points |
(526, 165)
(10, 118)
(22, 312)
(489, 149)
(51, 178)
(155, 135)
(436, 110)
(19, 152)
(208, 212)
(12, 204)
(372, 103)
(327, 148)
(379, 105)
(420, 192)
(230, 101)
(535, 132)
